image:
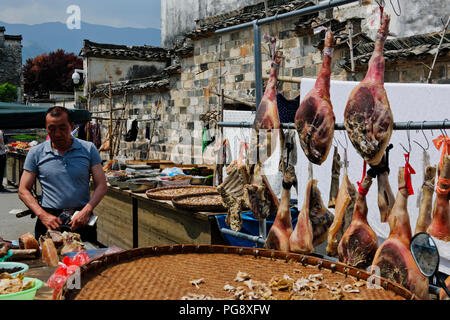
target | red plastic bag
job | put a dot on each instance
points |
(65, 268)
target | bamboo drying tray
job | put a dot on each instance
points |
(165, 272)
(153, 193)
(196, 198)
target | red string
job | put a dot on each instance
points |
(408, 172)
(361, 190)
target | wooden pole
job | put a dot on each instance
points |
(438, 49)
(285, 79)
(350, 44)
(111, 151)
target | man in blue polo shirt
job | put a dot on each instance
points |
(63, 164)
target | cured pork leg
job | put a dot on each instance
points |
(345, 203)
(394, 257)
(321, 218)
(335, 170)
(440, 225)
(301, 239)
(359, 242)
(315, 119)
(267, 120)
(426, 205)
(386, 197)
(281, 230)
(368, 117)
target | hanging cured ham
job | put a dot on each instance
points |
(386, 197)
(440, 225)
(368, 117)
(426, 205)
(345, 203)
(394, 258)
(313, 222)
(267, 120)
(301, 239)
(321, 218)
(315, 119)
(359, 242)
(281, 230)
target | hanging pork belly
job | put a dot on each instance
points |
(368, 117)
(394, 257)
(335, 172)
(359, 242)
(315, 119)
(440, 225)
(281, 230)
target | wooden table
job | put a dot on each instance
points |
(131, 220)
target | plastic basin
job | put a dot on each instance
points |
(24, 295)
(11, 265)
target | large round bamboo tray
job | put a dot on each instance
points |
(197, 206)
(166, 272)
(153, 193)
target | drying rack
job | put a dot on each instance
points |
(410, 125)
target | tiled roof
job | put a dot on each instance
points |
(417, 46)
(112, 51)
(246, 14)
(156, 82)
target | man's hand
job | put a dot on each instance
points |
(50, 221)
(80, 220)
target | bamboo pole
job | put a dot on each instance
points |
(285, 79)
(111, 151)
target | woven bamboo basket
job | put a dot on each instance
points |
(153, 193)
(219, 207)
(167, 272)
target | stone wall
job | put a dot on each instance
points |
(11, 61)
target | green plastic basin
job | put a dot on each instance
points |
(24, 295)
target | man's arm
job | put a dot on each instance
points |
(82, 218)
(26, 183)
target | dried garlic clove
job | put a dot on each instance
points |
(241, 276)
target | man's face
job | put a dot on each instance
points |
(59, 129)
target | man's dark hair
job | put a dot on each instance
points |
(57, 111)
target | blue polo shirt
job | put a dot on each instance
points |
(64, 178)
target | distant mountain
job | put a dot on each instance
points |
(50, 36)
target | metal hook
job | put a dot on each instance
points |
(409, 138)
(444, 132)
(399, 8)
(426, 139)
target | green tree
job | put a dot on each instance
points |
(8, 92)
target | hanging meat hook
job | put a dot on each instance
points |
(408, 126)
(426, 139)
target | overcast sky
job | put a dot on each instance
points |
(115, 13)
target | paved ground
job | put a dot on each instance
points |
(12, 228)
